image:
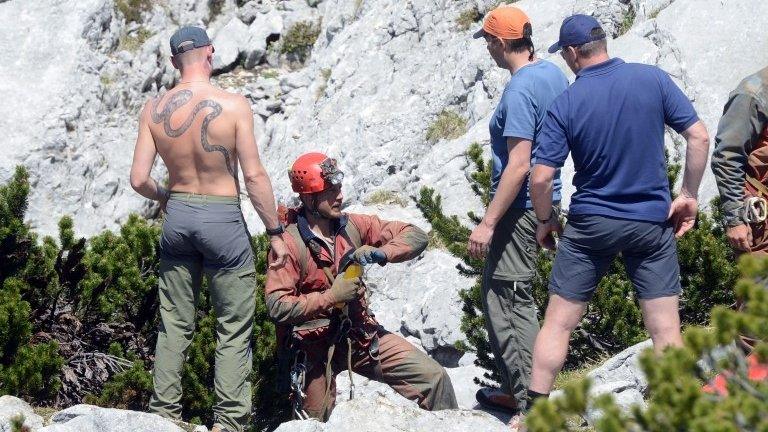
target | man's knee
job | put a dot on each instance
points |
(563, 315)
(662, 318)
(439, 389)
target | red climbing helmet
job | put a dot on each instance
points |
(314, 172)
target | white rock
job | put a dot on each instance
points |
(624, 367)
(262, 27)
(372, 413)
(421, 298)
(621, 377)
(89, 418)
(12, 407)
(229, 43)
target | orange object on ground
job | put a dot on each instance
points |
(756, 372)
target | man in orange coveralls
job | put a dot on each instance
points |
(324, 325)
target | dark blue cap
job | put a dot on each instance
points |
(188, 38)
(578, 30)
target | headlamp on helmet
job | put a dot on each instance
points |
(314, 172)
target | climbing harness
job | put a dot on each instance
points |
(755, 210)
(298, 381)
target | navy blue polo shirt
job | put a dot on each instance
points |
(612, 121)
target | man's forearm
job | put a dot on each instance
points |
(151, 189)
(262, 197)
(542, 180)
(696, 155)
(737, 132)
(511, 180)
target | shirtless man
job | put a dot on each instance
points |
(201, 133)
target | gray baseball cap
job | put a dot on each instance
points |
(188, 38)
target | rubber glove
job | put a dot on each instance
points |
(369, 255)
(344, 290)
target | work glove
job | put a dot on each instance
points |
(369, 255)
(344, 290)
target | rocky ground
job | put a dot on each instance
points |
(380, 73)
(375, 408)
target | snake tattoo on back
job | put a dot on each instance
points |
(176, 101)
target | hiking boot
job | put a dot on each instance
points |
(495, 399)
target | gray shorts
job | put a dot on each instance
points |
(207, 229)
(590, 243)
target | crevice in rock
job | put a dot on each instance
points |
(232, 66)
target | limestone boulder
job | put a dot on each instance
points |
(12, 408)
(89, 418)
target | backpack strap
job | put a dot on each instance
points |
(293, 231)
(353, 234)
(350, 231)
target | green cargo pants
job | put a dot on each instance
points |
(206, 235)
(233, 298)
(510, 312)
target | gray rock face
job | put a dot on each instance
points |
(72, 123)
(228, 42)
(379, 75)
(13, 407)
(89, 418)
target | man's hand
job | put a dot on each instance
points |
(682, 214)
(163, 195)
(545, 231)
(369, 255)
(480, 240)
(345, 290)
(278, 252)
(740, 237)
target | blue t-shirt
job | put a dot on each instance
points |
(612, 121)
(521, 114)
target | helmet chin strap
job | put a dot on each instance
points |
(313, 210)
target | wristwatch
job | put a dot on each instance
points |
(276, 231)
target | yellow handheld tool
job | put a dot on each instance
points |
(353, 271)
(349, 269)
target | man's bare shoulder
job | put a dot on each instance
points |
(236, 101)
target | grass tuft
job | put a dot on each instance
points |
(133, 41)
(132, 9)
(448, 125)
(385, 197)
(467, 18)
(299, 39)
(269, 73)
(627, 22)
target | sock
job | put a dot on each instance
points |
(531, 398)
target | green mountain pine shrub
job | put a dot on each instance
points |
(677, 400)
(613, 320)
(28, 370)
(100, 296)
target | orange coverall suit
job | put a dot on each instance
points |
(293, 300)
